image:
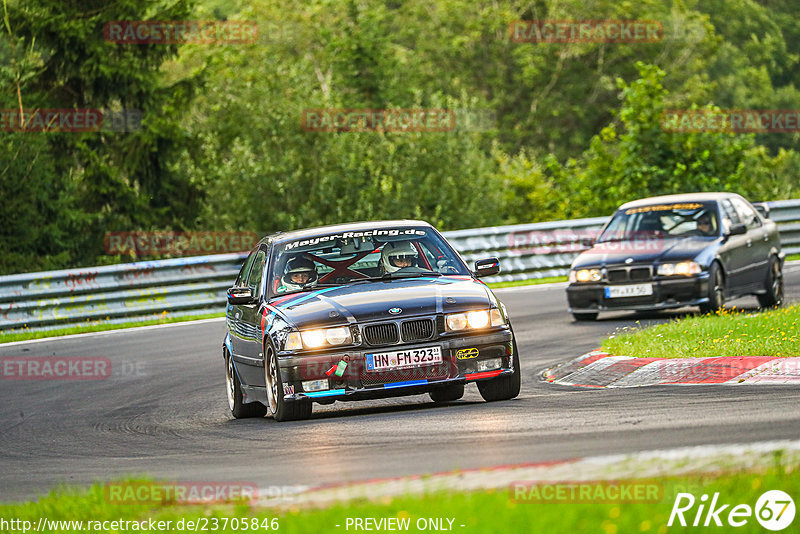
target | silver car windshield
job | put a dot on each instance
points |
(663, 221)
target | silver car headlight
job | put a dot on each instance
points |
(585, 275)
(684, 268)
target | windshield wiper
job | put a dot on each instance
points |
(389, 276)
(412, 274)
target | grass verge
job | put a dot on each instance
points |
(492, 511)
(536, 281)
(100, 327)
(727, 333)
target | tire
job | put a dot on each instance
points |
(281, 410)
(590, 316)
(716, 290)
(774, 285)
(233, 386)
(502, 387)
(452, 392)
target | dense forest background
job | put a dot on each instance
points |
(573, 131)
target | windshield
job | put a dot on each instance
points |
(663, 221)
(349, 257)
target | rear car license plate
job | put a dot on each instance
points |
(400, 359)
(635, 290)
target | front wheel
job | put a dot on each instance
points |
(233, 386)
(716, 290)
(281, 409)
(503, 387)
(774, 285)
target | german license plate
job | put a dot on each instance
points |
(400, 359)
(635, 290)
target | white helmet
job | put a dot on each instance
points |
(394, 251)
(299, 265)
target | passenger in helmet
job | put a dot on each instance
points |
(299, 272)
(397, 255)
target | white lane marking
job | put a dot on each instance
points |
(111, 332)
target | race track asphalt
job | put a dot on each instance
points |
(163, 413)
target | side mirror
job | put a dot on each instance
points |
(240, 295)
(737, 229)
(487, 267)
(762, 208)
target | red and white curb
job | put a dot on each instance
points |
(639, 465)
(602, 370)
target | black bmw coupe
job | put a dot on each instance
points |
(363, 311)
(679, 250)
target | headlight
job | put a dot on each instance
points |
(470, 320)
(497, 317)
(314, 339)
(337, 336)
(684, 268)
(585, 275)
(293, 341)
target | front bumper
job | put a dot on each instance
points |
(667, 293)
(460, 357)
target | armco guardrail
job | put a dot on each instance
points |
(196, 285)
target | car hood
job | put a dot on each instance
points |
(643, 251)
(371, 301)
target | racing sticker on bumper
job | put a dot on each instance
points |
(467, 354)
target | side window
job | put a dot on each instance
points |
(747, 214)
(254, 278)
(245, 269)
(729, 215)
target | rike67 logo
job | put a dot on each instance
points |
(774, 510)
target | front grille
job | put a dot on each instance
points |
(417, 330)
(434, 372)
(617, 275)
(381, 334)
(625, 274)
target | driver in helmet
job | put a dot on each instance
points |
(704, 225)
(300, 272)
(397, 255)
